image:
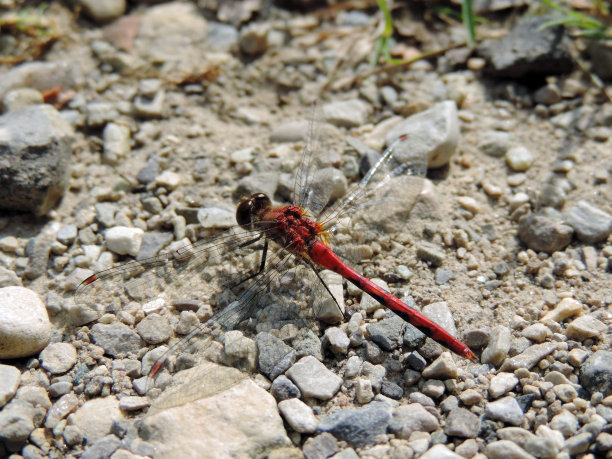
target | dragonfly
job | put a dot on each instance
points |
(236, 270)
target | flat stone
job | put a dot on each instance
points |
(298, 415)
(443, 367)
(274, 356)
(104, 447)
(24, 324)
(544, 234)
(95, 417)
(58, 358)
(322, 446)
(227, 415)
(585, 327)
(154, 329)
(358, 427)
(347, 113)
(17, 421)
(314, 379)
(123, 240)
(504, 449)
(530, 357)
(462, 423)
(37, 148)
(502, 383)
(591, 224)
(506, 410)
(62, 407)
(565, 422)
(432, 133)
(412, 418)
(9, 382)
(115, 338)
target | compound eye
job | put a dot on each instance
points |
(260, 202)
(244, 212)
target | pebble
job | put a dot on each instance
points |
(504, 449)
(462, 423)
(544, 234)
(498, 347)
(73, 435)
(565, 422)
(388, 332)
(20, 98)
(65, 405)
(282, 388)
(363, 390)
(104, 447)
(133, 403)
(430, 254)
(443, 367)
(578, 443)
(320, 447)
(96, 416)
(17, 421)
(103, 11)
(123, 240)
(9, 382)
(24, 324)
(596, 373)
(58, 358)
(591, 224)
(60, 388)
(495, 143)
(347, 113)
(534, 444)
(216, 217)
(368, 304)
(337, 339)
(470, 204)
(506, 410)
(567, 307)
(298, 415)
(537, 332)
(585, 327)
(358, 427)
(412, 418)
(530, 357)
(240, 351)
(253, 39)
(440, 452)
(150, 107)
(433, 133)
(274, 356)
(314, 379)
(34, 183)
(502, 383)
(117, 143)
(67, 234)
(115, 338)
(154, 329)
(391, 390)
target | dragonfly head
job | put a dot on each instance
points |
(251, 208)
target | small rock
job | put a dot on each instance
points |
(168, 179)
(502, 383)
(116, 142)
(412, 418)
(9, 382)
(585, 327)
(95, 417)
(499, 345)
(283, 389)
(67, 234)
(24, 324)
(504, 449)
(320, 447)
(537, 332)
(338, 341)
(134, 403)
(254, 39)
(506, 410)
(240, 351)
(60, 409)
(314, 379)
(565, 422)
(216, 217)
(566, 308)
(519, 158)
(590, 223)
(544, 234)
(115, 338)
(363, 391)
(358, 427)
(430, 254)
(17, 421)
(462, 423)
(103, 11)
(348, 113)
(440, 451)
(58, 358)
(124, 240)
(529, 357)
(20, 98)
(298, 415)
(150, 107)
(274, 356)
(154, 329)
(443, 367)
(596, 373)
(388, 332)
(495, 143)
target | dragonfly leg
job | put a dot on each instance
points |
(262, 265)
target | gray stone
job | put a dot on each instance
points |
(274, 356)
(391, 390)
(506, 410)
(67, 234)
(528, 50)
(498, 347)
(502, 383)
(585, 327)
(152, 243)
(347, 113)
(462, 423)
(21, 97)
(529, 357)
(24, 324)
(154, 329)
(590, 223)
(544, 234)
(314, 379)
(58, 357)
(320, 447)
(36, 146)
(596, 373)
(17, 421)
(222, 37)
(298, 415)
(240, 351)
(358, 427)
(9, 382)
(102, 448)
(124, 240)
(8, 278)
(115, 338)
(216, 217)
(565, 422)
(578, 443)
(495, 143)
(412, 418)
(254, 39)
(95, 417)
(103, 11)
(432, 134)
(388, 332)
(307, 343)
(504, 449)
(282, 389)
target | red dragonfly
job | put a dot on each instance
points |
(222, 271)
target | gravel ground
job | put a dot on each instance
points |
(151, 124)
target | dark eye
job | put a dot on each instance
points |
(249, 209)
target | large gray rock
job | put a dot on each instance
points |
(35, 149)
